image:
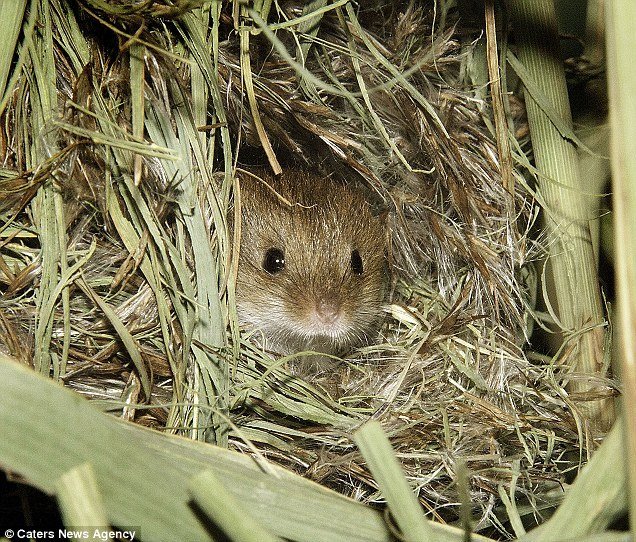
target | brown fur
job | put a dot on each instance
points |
(318, 231)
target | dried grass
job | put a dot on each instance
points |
(118, 141)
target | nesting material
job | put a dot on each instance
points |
(117, 275)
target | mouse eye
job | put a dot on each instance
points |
(356, 262)
(274, 261)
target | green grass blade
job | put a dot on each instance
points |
(246, 74)
(597, 497)
(137, 75)
(129, 342)
(79, 498)
(567, 212)
(226, 512)
(143, 475)
(209, 325)
(10, 27)
(47, 207)
(621, 35)
(384, 466)
(609, 536)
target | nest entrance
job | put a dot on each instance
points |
(118, 282)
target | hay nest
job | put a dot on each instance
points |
(116, 271)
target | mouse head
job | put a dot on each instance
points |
(312, 271)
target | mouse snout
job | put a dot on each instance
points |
(328, 309)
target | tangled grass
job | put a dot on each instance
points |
(122, 125)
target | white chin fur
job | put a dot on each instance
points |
(291, 337)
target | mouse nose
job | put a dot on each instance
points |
(328, 309)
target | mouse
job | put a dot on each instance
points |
(313, 270)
